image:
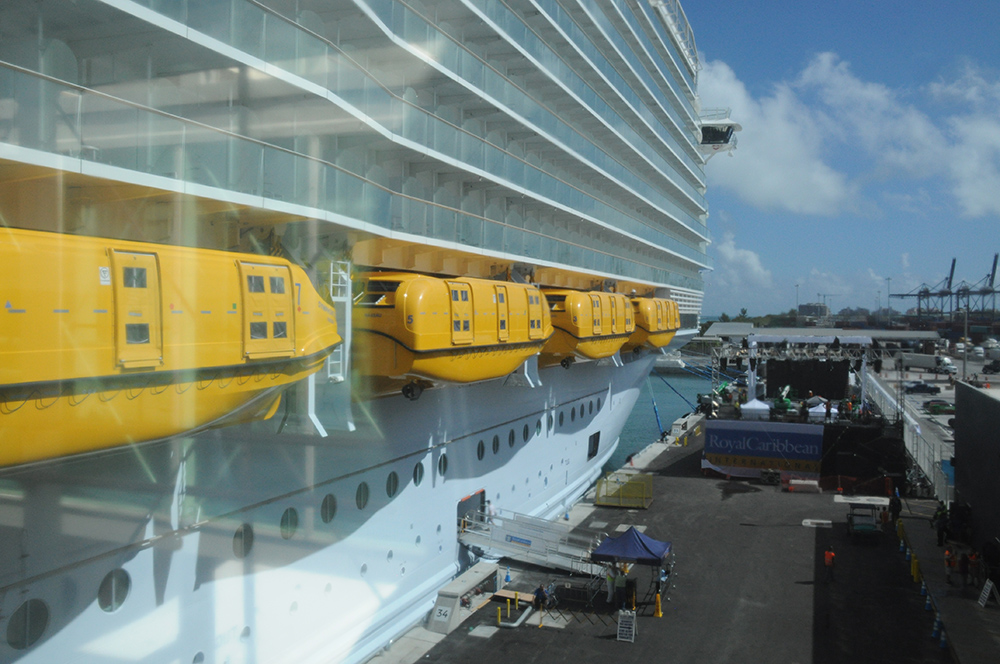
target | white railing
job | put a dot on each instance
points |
(673, 16)
(926, 452)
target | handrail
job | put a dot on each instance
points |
(676, 21)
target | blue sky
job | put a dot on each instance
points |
(870, 148)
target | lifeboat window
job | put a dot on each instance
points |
(113, 590)
(361, 496)
(392, 484)
(465, 296)
(465, 323)
(277, 285)
(503, 324)
(328, 508)
(454, 296)
(481, 450)
(531, 324)
(593, 444)
(280, 330)
(510, 438)
(255, 283)
(258, 330)
(458, 326)
(501, 298)
(418, 474)
(525, 433)
(289, 523)
(27, 624)
(243, 541)
(137, 333)
(134, 277)
(443, 465)
(496, 444)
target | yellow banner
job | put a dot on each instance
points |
(734, 461)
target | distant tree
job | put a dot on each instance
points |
(743, 315)
(724, 318)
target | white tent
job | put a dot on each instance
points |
(818, 413)
(756, 410)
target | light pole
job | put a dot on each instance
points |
(878, 305)
(888, 300)
(796, 305)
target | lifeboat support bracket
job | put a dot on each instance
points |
(615, 360)
(525, 375)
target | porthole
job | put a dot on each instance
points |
(392, 484)
(550, 421)
(417, 541)
(496, 444)
(598, 403)
(388, 556)
(243, 540)
(289, 523)
(199, 658)
(481, 450)
(572, 414)
(364, 569)
(328, 509)
(361, 496)
(510, 438)
(27, 624)
(443, 465)
(245, 634)
(590, 408)
(113, 590)
(538, 427)
(525, 433)
(561, 418)
(418, 473)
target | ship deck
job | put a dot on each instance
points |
(749, 585)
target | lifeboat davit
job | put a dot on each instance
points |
(108, 342)
(657, 320)
(587, 325)
(411, 326)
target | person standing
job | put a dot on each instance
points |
(895, 507)
(829, 560)
(609, 581)
(949, 564)
(491, 512)
(975, 569)
(620, 589)
(540, 597)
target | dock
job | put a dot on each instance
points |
(749, 584)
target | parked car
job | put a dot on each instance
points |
(922, 387)
(942, 409)
(992, 367)
(935, 402)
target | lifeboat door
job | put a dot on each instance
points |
(268, 311)
(614, 314)
(503, 331)
(138, 323)
(595, 305)
(535, 314)
(461, 313)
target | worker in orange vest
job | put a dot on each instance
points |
(828, 560)
(949, 564)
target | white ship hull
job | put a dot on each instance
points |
(323, 591)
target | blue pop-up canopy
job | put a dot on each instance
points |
(631, 547)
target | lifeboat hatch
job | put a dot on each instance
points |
(268, 311)
(503, 332)
(596, 314)
(461, 313)
(138, 324)
(535, 330)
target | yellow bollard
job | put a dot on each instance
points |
(915, 569)
(541, 611)
(659, 610)
(498, 616)
(517, 602)
(508, 607)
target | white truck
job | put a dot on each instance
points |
(927, 363)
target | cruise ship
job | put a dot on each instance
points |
(291, 286)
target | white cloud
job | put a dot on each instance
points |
(813, 144)
(905, 260)
(778, 163)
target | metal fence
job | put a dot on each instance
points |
(624, 490)
(927, 451)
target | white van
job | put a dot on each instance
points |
(959, 348)
(978, 352)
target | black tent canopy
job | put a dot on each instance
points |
(631, 547)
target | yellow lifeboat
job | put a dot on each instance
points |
(588, 325)
(107, 342)
(412, 326)
(656, 322)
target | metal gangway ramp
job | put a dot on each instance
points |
(532, 540)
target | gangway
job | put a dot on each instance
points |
(532, 540)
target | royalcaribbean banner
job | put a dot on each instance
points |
(744, 448)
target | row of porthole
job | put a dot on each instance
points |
(589, 408)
